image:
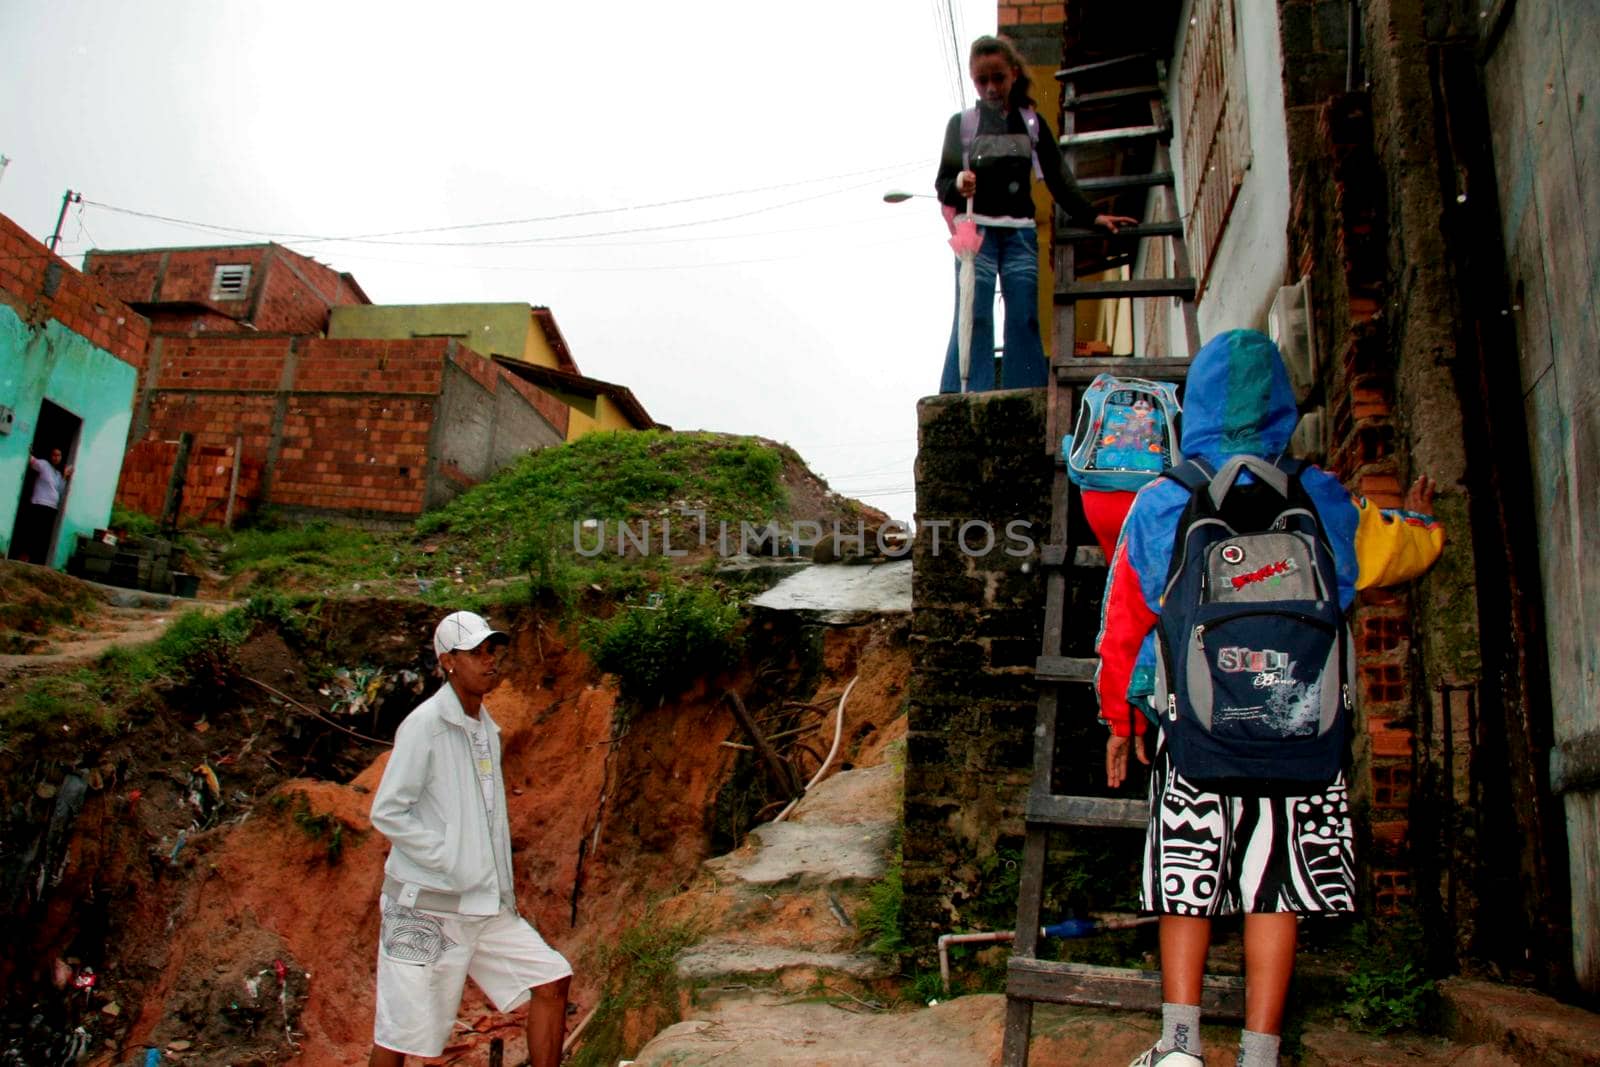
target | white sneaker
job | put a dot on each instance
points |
(1154, 1057)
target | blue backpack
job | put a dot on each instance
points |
(1126, 434)
(1254, 675)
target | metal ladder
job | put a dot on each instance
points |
(1029, 979)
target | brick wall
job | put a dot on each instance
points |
(287, 292)
(43, 287)
(336, 427)
(1031, 14)
(147, 468)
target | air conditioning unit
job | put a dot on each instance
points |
(1289, 325)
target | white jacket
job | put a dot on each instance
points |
(430, 807)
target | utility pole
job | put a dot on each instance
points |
(4, 159)
(66, 201)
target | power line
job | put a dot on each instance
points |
(378, 238)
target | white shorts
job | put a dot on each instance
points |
(425, 958)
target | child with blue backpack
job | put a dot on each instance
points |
(992, 153)
(1231, 579)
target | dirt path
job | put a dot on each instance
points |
(123, 617)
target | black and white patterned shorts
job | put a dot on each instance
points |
(1209, 854)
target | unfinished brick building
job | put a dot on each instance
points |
(372, 430)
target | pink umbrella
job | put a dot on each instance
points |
(965, 240)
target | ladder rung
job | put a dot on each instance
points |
(1132, 287)
(1053, 555)
(1109, 96)
(1118, 812)
(1089, 556)
(1101, 64)
(1081, 370)
(1143, 229)
(1122, 133)
(1221, 996)
(1065, 668)
(1125, 181)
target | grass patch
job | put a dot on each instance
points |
(319, 552)
(196, 650)
(640, 977)
(880, 918)
(34, 601)
(322, 828)
(656, 648)
(1389, 989)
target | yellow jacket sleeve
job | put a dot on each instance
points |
(1394, 546)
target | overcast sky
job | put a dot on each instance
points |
(785, 299)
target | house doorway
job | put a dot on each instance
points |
(33, 535)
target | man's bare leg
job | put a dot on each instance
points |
(1185, 941)
(1269, 944)
(385, 1057)
(547, 1022)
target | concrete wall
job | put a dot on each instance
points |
(1251, 260)
(1541, 71)
(56, 364)
(63, 338)
(487, 329)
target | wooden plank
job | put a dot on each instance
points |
(1108, 96)
(1141, 230)
(1183, 288)
(1101, 64)
(1118, 182)
(1053, 555)
(1180, 244)
(1221, 996)
(1088, 556)
(1084, 369)
(1118, 812)
(1121, 133)
(1065, 669)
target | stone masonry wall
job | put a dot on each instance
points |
(975, 633)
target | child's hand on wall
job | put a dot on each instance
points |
(1419, 498)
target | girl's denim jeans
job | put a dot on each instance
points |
(1013, 256)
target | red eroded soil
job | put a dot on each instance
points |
(261, 938)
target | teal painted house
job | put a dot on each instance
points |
(70, 359)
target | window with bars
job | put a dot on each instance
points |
(1215, 127)
(230, 282)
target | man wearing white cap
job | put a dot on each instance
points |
(449, 909)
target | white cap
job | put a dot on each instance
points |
(462, 631)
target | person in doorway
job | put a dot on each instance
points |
(1208, 853)
(44, 504)
(448, 906)
(992, 153)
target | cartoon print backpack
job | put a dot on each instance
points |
(1126, 434)
(1254, 675)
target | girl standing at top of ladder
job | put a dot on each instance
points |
(992, 153)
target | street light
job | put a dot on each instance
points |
(900, 196)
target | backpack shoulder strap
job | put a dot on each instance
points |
(969, 132)
(1192, 474)
(1030, 118)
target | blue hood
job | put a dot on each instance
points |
(1237, 399)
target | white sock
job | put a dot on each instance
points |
(1180, 1028)
(1258, 1050)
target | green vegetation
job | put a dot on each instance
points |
(320, 552)
(325, 828)
(1389, 989)
(658, 647)
(34, 601)
(639, 966)
(526, 518)
(880, 919)
(196, 650)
